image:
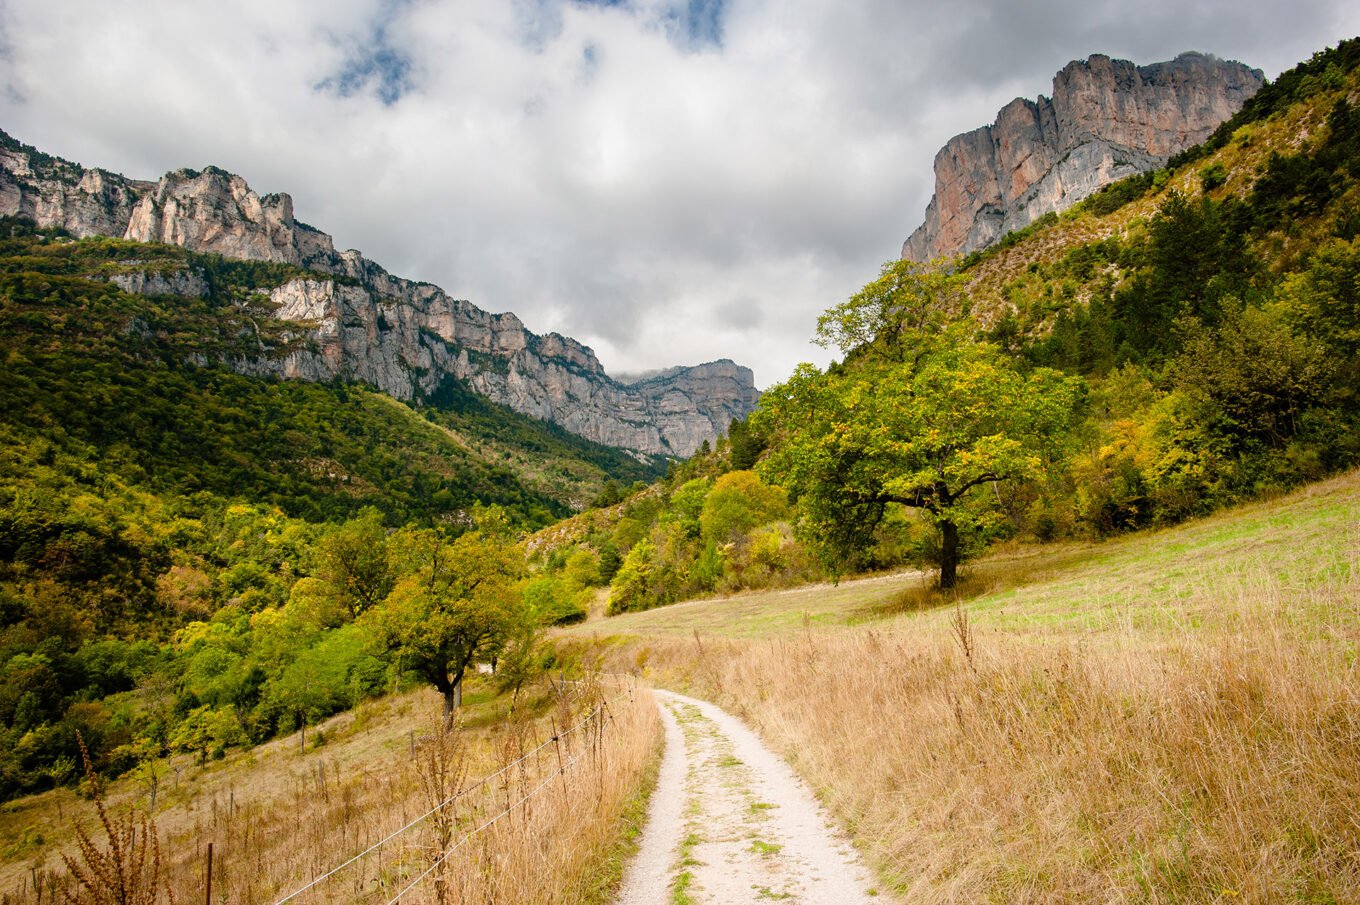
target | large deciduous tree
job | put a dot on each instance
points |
(919, 415)
(457, 602)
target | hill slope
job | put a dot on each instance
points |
(146, 384)
(1180, 342)
(158, 509)
(1278, 155)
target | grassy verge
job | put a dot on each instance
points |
(1173, 717)
(606, 873)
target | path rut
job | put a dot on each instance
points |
(730, 823)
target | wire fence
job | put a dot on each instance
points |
(485, 826)
(591, 725)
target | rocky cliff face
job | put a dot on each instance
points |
(1107, 119)
(362, 323)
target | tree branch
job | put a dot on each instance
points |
(981, 479)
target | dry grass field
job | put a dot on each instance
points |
(551, 825)
(1173, 717)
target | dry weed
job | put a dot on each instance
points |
(280, 824)
(1190, 765)
(124, 873)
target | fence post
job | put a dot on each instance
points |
(207, 895)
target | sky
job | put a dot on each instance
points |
(668, 181)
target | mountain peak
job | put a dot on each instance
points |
(1107, 119)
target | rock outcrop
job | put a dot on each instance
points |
(361, 322)
(1107, 119)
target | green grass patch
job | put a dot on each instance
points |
(766, 893)
(1157, 582)
(763, 848)
(680, 889)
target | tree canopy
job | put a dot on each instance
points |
(920, 419)
(456, 601)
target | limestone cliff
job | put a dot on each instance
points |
(1107, 119)
(361, 322)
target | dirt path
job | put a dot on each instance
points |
(730, 823)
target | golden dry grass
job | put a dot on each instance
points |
(279, 817)
(1171, 718)
(755, 614)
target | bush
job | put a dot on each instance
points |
(1213, 176)
(738, 502)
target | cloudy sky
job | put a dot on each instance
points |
(669, 181)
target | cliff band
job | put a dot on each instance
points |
(402, 337)
(1107, 119)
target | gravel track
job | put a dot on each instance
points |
(730, 823)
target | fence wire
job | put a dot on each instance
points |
(589, 719)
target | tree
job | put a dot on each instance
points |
(899, 317)
(523, 659)
(327, 677)
(611, 494)
(456, 602)
(1325, 297)
(610, 560)
(1194, 257)
(738, 502)
(582, 569)
(919, 416)
(745, 443)
(1258, 375)
(354, 561)
(634, 584)
(686, 504)
(553, 601)
(207, 731)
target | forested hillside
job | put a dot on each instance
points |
(185, 551)
(1179, 342)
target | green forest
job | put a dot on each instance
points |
(186, 553)
(1203, 349)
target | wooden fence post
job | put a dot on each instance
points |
(207, 886)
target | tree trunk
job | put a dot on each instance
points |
(453, 699)
(449, 705)
(949, 555)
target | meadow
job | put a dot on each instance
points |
(1169, 717)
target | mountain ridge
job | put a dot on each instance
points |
(1107, 119)
(403, 337)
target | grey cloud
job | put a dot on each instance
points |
(669, 181)
(741, 314)
(373, 62)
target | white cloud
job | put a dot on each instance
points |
(669, 181)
